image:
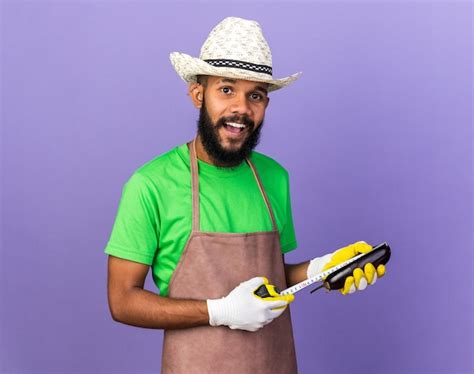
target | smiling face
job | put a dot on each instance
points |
(231, 116)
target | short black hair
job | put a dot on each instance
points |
(202, 79)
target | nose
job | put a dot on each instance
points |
(240, 105)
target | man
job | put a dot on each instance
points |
(212, 218)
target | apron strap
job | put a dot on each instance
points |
(195, 185)
(264, 194)
(195, 188)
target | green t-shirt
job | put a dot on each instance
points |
(154, 218)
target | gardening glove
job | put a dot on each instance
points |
(360, 277)
(242, 309)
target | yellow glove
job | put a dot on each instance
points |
(360, 278)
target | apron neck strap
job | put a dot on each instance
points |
(264, 194)
(195, 188)
(195, 185)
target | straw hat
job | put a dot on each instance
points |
(235, 48)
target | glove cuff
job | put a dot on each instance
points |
(316, 265)
(219, 312)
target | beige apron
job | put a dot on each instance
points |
(212, 265)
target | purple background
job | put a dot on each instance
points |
(376, 135)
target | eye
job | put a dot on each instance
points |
(226, 90)
(256, 96)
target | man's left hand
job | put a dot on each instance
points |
(360, 277)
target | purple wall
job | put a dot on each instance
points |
(376, 135)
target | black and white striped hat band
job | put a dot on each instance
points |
(241, 65)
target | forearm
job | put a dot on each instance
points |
(296, 273)
(142, 308)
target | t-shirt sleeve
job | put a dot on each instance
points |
(287, 234)
(135, 231)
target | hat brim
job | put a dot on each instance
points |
(189, 67)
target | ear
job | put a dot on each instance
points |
(196, 92)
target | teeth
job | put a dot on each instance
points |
(233, 124)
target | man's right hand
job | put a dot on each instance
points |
(242, 309)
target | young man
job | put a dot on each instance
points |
(213, 218)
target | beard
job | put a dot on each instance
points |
(210, 139)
